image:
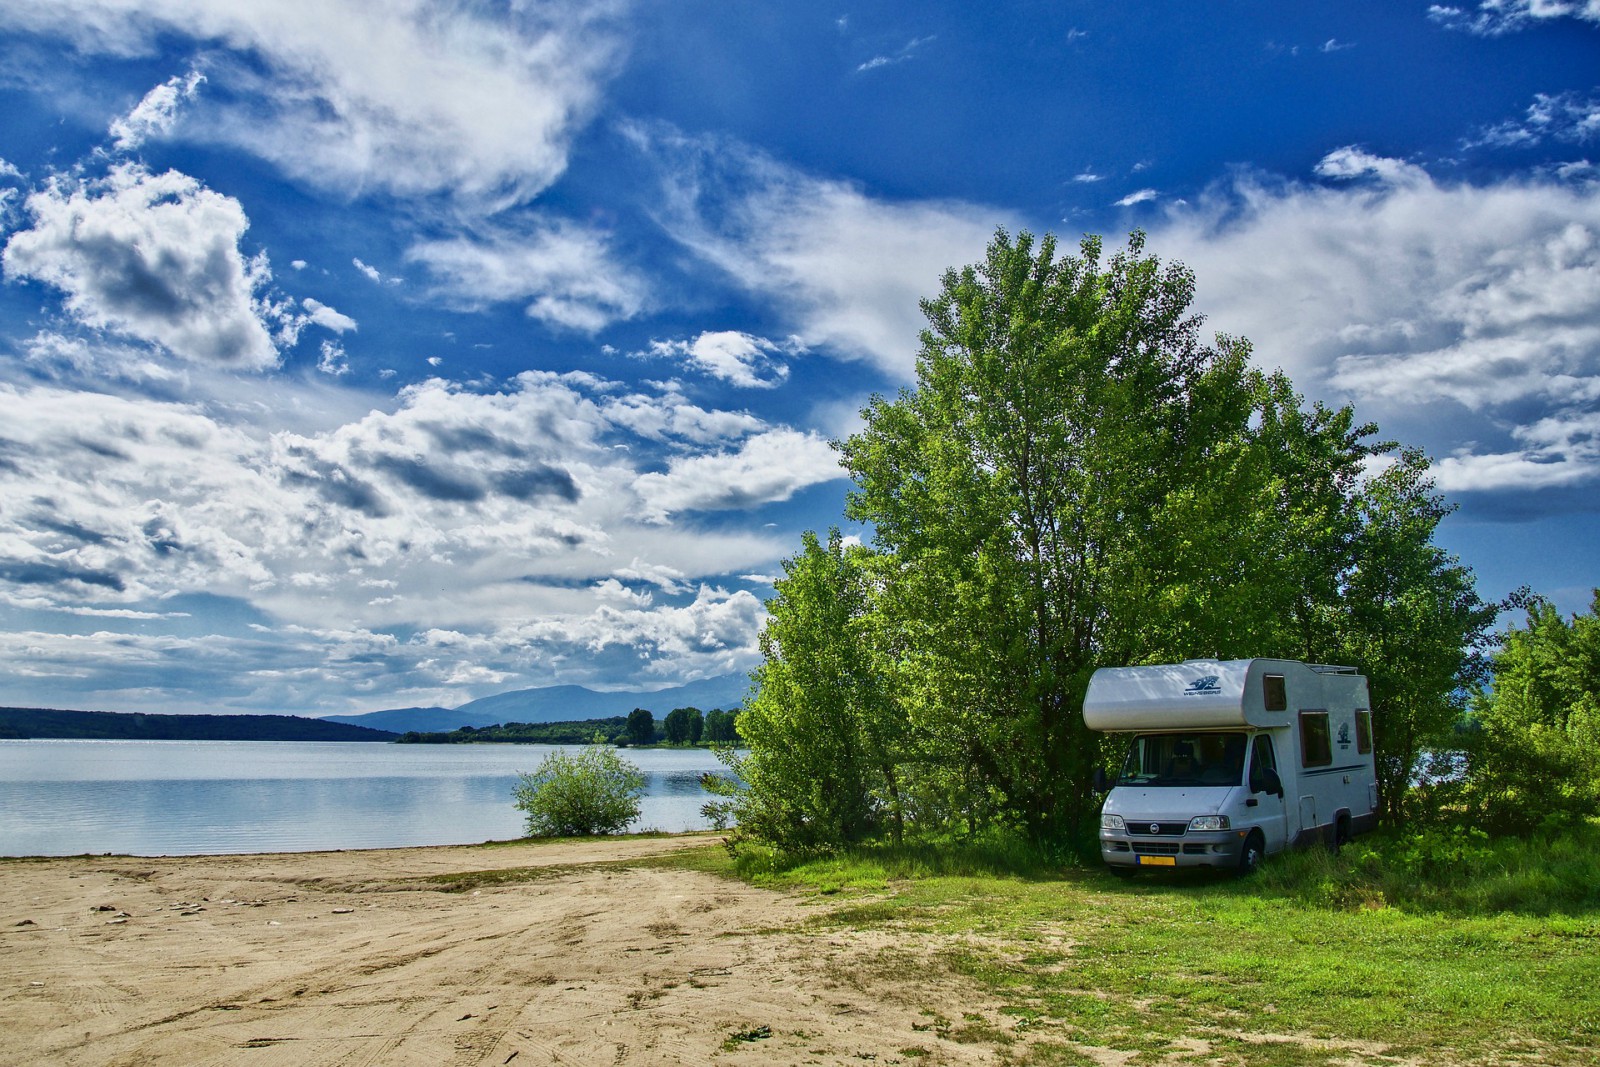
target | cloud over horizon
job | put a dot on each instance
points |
(1419, 300)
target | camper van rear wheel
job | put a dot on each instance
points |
(1341, 833)
(1251, 855)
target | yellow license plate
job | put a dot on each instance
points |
(1158, 861)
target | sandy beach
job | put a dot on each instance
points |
(365, 958)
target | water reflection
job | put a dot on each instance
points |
(201, 797)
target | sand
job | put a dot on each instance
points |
(357, 958)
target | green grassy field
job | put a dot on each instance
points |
(1439, 949)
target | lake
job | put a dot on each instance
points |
(188, 798)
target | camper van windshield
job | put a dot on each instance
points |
(1184, 759)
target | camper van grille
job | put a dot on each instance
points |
(1163, 829)
(1156, 848)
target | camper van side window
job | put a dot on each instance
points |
(1363, 732)
(1316, 749)
(1272, 691)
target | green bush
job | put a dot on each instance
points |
(594, 792)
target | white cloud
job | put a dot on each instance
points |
(1465, 317)
(155, 115)
(326, 317)
(1333, 44)
(1556, 452)
(668, 579)
(1492, 18)
(411, 96)
(736, 357)
(1349, 163)
(1139, 197)
(847, 268)
(565, 271)
(767, 467)
(370, 272)
(333, 359)
(1568, 116)
(715, 634)
(154, 257)
(905, 52)
(1088, 176)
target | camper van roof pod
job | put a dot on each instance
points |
(1195, 694)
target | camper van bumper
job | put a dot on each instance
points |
(1196, 848)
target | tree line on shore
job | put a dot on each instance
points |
(680, 726)
(1078, 480)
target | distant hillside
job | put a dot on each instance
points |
(112, 725)
(405, 720)
(556, 703)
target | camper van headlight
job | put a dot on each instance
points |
(1111, 822)
(1209, 822)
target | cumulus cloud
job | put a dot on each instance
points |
(1139, 196)
(1492, 18)
(1420, 301)
(412, 97)
(501, 515)
(154, 115)
(736, 357)
(714, 634)
(151, 256)
(846, 267)
(765, 468)
(566, 273)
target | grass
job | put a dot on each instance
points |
(1441, 948)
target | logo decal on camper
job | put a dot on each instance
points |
(1209, 683)
(1344, 735)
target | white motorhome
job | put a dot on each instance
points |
(1231, 761)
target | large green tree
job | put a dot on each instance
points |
(1079, 479)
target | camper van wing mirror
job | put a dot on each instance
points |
(1271, 783)
(1099, 779)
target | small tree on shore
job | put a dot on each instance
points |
(641, 726)
(594, 792)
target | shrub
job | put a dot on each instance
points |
(594, 792)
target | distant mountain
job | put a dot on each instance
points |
(402, 720)
(556, 703)
(113, 725)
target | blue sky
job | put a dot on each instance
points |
(368, 354)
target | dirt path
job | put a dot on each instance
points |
(354, 958)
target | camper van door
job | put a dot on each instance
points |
(1270, 806)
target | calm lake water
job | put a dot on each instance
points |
(189, 798)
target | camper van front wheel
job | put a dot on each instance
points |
(1250, 856)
